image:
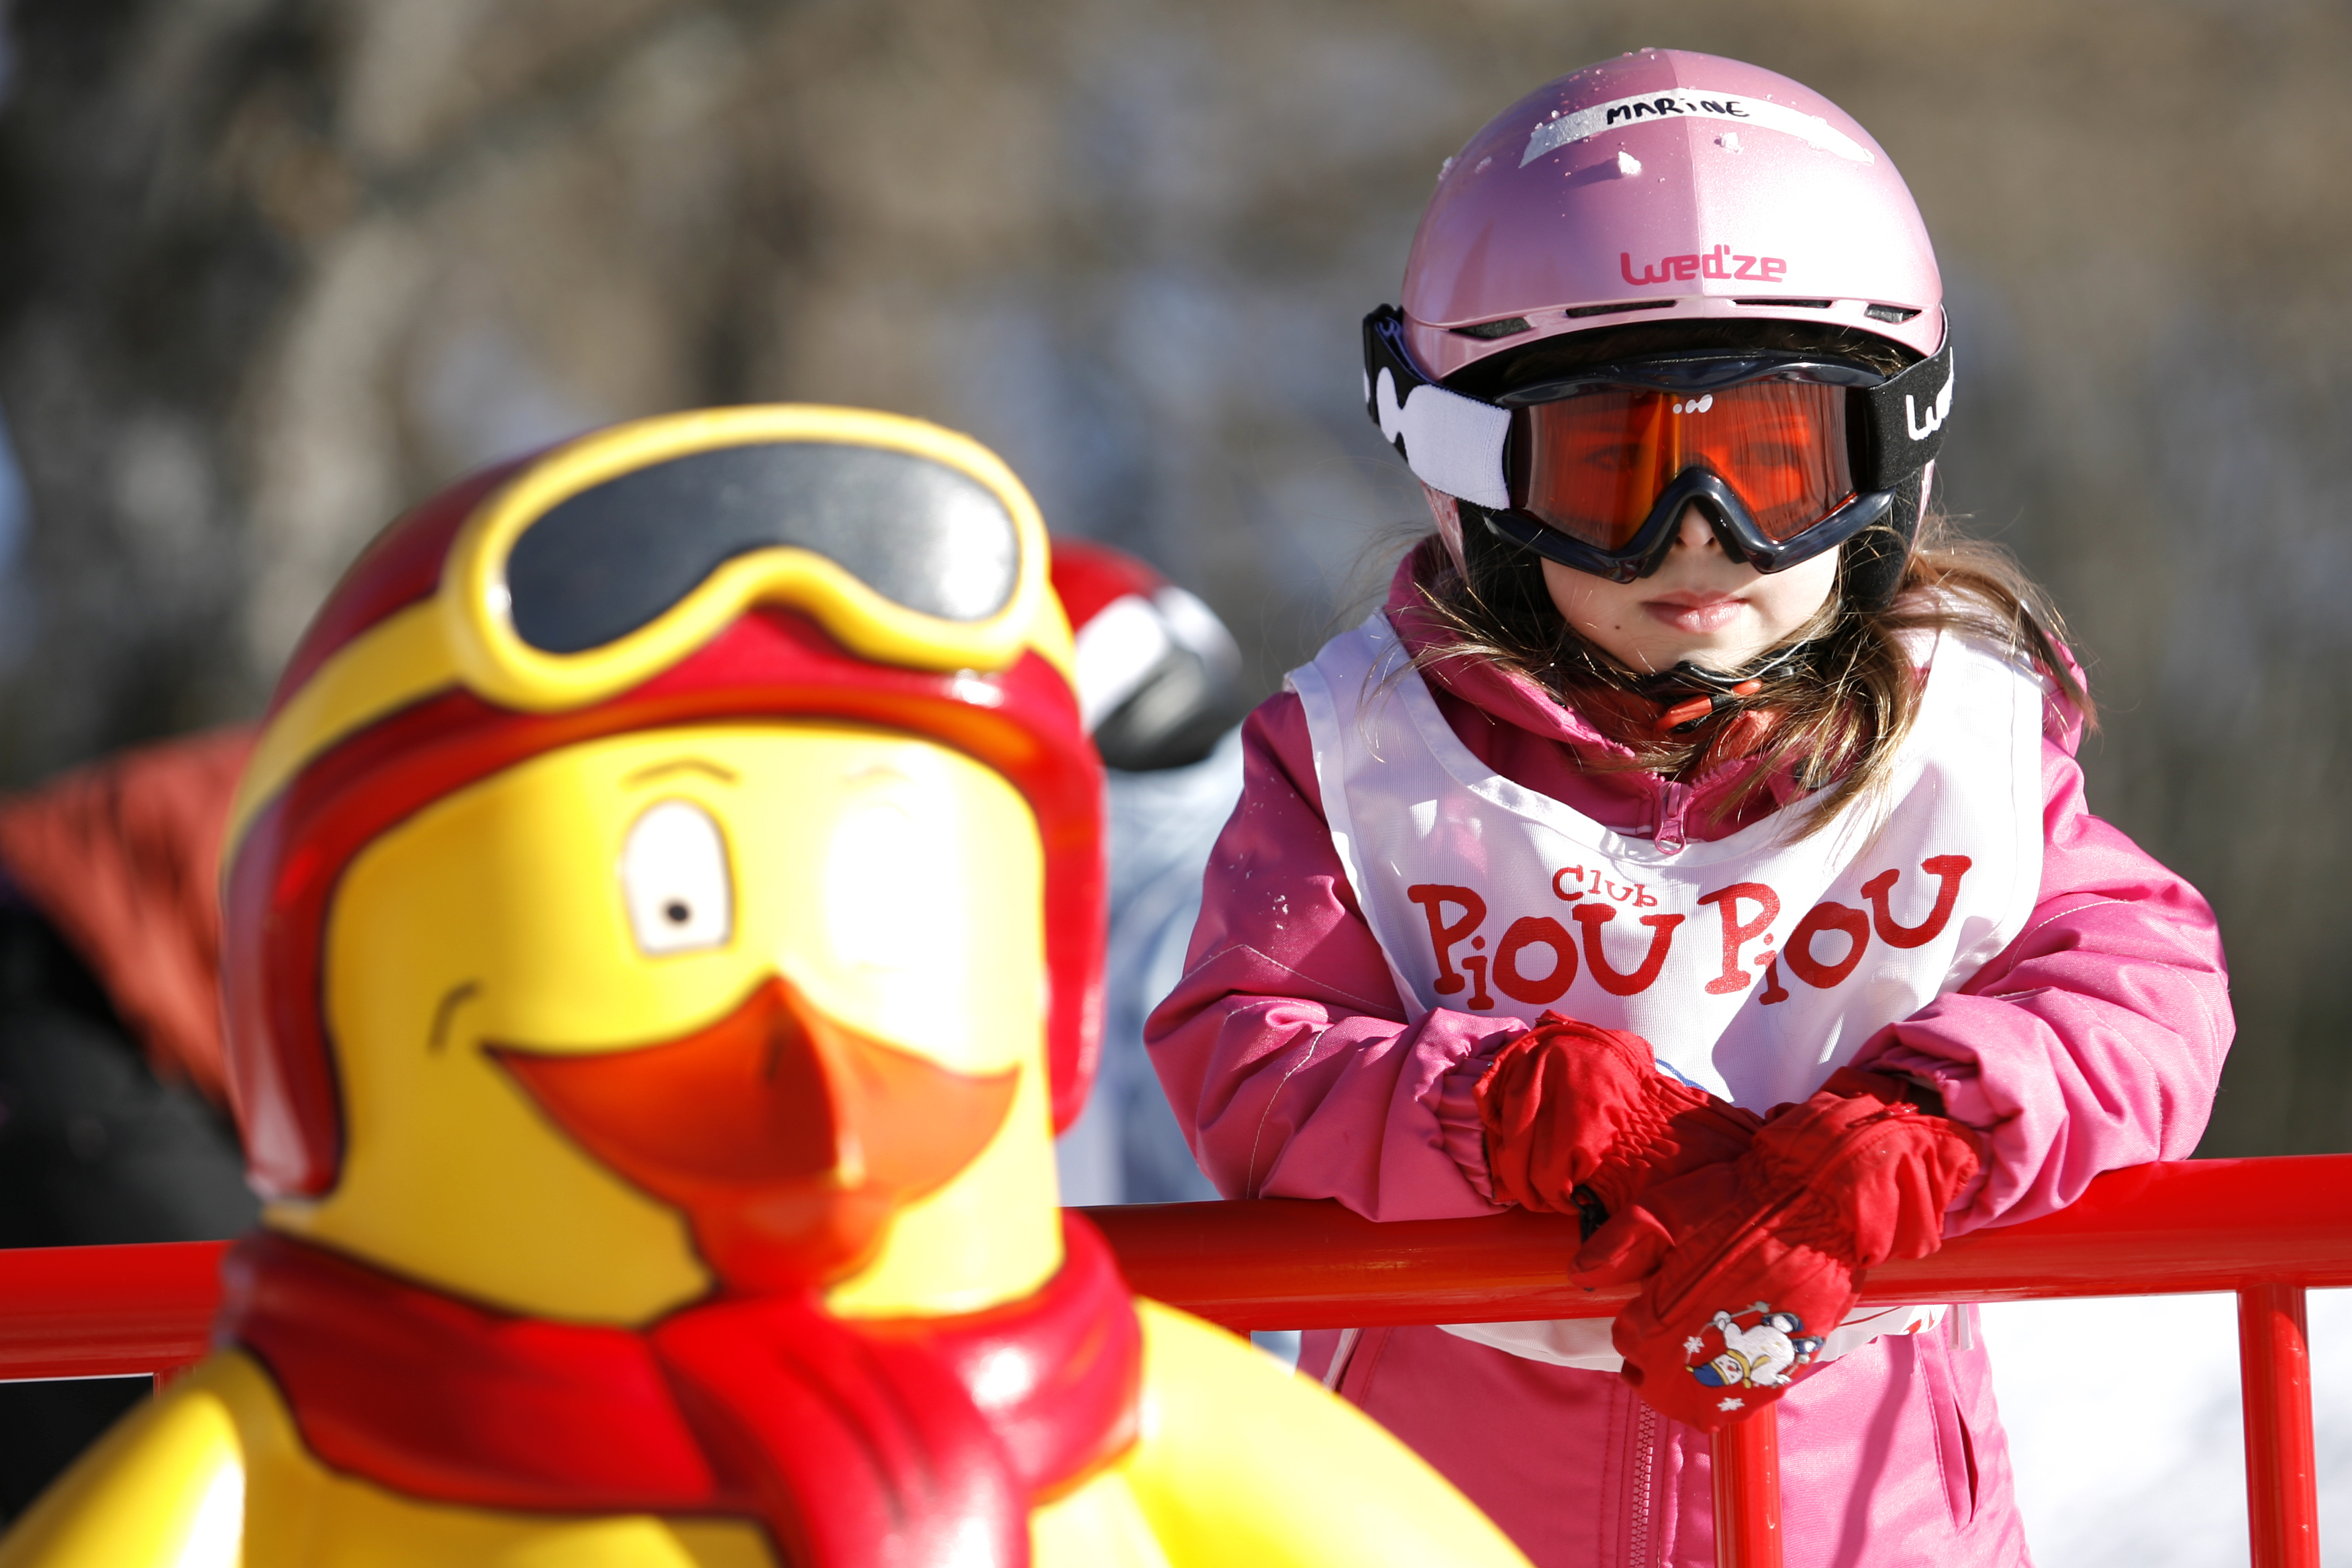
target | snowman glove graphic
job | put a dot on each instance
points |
(1748, 1264)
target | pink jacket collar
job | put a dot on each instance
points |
(1513, 699)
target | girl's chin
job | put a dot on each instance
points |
(1664, 647)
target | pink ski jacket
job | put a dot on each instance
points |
(2094, 1041)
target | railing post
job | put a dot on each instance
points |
(1748, 1493)
(2275, 1380)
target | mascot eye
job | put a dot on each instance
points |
(673, 879)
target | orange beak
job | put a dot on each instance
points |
(788, 1139)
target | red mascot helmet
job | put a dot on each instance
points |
(765, 562)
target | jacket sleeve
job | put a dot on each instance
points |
(1285, 1050)
(2091, 1042)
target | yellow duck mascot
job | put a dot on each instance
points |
(664, 924)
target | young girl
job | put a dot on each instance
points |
(1694, 842)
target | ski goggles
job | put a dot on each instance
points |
(1786, 456)
(612, 558)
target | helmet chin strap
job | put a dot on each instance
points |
(1691, 694)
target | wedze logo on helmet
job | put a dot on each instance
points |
(1715, 262)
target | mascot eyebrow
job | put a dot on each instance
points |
(682, 765)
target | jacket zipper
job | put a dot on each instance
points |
(1342, 1354)
(1637, 1526)
(1669, 835)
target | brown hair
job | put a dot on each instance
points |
(1842, 703)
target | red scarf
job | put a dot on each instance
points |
(870, 1444)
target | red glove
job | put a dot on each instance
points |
(1580, 1118)
(1766, 1256)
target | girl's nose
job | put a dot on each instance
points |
(1693, 531)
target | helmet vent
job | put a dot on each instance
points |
(1790, 304)
(1619, 308)
(1889, 313)
(1508, 327)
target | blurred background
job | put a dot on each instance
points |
(272, 270)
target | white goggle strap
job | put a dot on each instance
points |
(1452, 443)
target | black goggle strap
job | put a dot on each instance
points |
(1452, 443)
(1907, 416)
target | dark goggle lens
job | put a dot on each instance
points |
(1592, 465)
(610, 560)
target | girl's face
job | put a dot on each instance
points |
(1700, 605)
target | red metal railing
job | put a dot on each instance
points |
(2267, 1229)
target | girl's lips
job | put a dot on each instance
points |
(1695, 613)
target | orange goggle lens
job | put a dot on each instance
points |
(1592, 465)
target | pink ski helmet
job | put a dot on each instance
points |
(1665, 186)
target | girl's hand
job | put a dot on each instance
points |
(1762, 1259)
(1580, 1118)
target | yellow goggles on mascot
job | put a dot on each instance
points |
(612, 558)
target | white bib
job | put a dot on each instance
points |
(1755, 965)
